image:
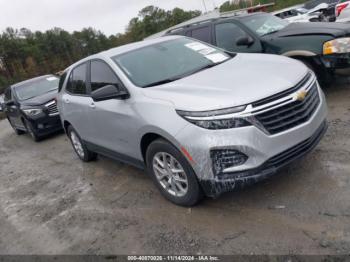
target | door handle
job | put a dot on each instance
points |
(92, 105)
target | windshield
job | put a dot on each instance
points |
(264, 24)
(168, 61)
(36, 88)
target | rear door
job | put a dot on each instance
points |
(76, 101)
(12, 110)
(227, 33)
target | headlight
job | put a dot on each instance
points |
(32, 111)
(337, 46)
(216, 119)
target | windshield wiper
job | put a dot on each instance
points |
(161, 82)
(168, 80)
(272, 32)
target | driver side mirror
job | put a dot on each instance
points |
(245, 41)
(109, 92)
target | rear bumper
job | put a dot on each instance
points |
(214, 188)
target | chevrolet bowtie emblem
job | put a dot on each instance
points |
(300, 96)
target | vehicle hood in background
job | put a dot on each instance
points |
(242, 80)
(40, 100)
(314, 28)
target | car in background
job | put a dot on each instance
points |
(198, 119)
(323, 47)
(30, 106)
(343, 11)
(328, 12)
(298, 14)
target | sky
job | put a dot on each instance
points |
(108, 16)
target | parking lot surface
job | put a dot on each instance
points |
(52, 203)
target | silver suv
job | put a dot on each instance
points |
(200, 120)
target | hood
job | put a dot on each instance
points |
(314, 28)
(241, 80)
(40, 100)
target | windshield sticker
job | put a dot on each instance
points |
(216, 58)
(207, 51)
(51, 78)
(196, 46)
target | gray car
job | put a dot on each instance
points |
(200, 121)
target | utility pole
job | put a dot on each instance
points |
(205, 7)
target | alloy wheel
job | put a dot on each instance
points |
(77, 144)
(170, 174)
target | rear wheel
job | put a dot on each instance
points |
(79, 146)
(172, 174)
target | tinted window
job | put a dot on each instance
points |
(62, 78)
(101, 75)
(77, 80)
(202, 34)
(7, 96)
(227, 35)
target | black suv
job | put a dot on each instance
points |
(30, 106)
(324, 47)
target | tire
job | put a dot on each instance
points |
(31, 131)
(79, 146)
(17, 131)
(172, 186)
(324, 78)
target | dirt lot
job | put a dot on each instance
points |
(52, 203)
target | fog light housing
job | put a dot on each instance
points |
(226, 158)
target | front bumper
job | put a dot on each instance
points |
(266, 170)
(45, 124)
(262, 150)
(336, 61)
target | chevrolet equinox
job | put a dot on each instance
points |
(201, 121)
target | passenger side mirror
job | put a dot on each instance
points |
(109, 92)
(245, 41)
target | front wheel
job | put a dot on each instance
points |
(31, 131)
(172, 174)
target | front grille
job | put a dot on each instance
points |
(290, 115)
(284, 93)
(52, 108)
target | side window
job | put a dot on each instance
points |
(60, 83)
(77, 80)
(202, 34)
(102, 75)
(227, 35)
(8, 95)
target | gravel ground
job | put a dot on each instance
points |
(52, 203)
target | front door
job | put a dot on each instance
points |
(113, 122)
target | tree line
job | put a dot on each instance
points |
(25, 54)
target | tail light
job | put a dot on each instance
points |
(341, 7)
